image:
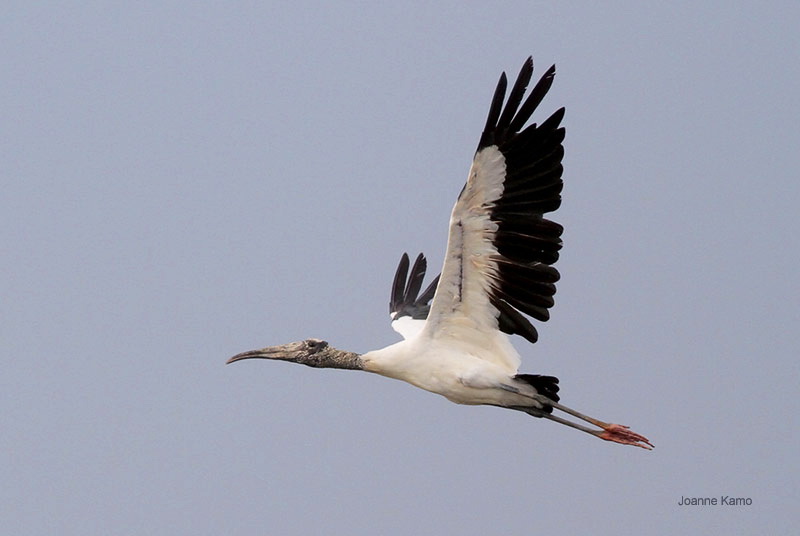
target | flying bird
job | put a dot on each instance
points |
(498, 271)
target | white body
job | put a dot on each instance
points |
(455, 371)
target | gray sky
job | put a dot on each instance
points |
(183, 182)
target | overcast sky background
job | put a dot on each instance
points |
(183, 181)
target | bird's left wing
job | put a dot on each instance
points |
(500, 247)
(408, 308)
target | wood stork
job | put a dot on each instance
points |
(498, 268)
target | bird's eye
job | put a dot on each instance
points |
(314, 344)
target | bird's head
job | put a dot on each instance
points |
(310, 352)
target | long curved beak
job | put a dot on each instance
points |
(250, 354)
(286, 352)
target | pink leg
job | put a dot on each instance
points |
(616, 433)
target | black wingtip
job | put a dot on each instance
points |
(504, 121)
(399, 283)
(415, 278)
(515, 97)
(487, 138)
(406, 299)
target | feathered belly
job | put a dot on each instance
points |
(461, 379)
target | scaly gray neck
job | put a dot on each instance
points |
(333, 358)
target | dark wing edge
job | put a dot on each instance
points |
(405, 299)
(527, 243)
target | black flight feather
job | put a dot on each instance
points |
(405, 299)
(527, 243)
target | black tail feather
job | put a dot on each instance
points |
(544, 385)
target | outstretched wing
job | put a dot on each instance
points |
(407, 307)
(500, 250)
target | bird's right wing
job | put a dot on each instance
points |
(407, 307)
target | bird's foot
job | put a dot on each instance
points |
(619, 433)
